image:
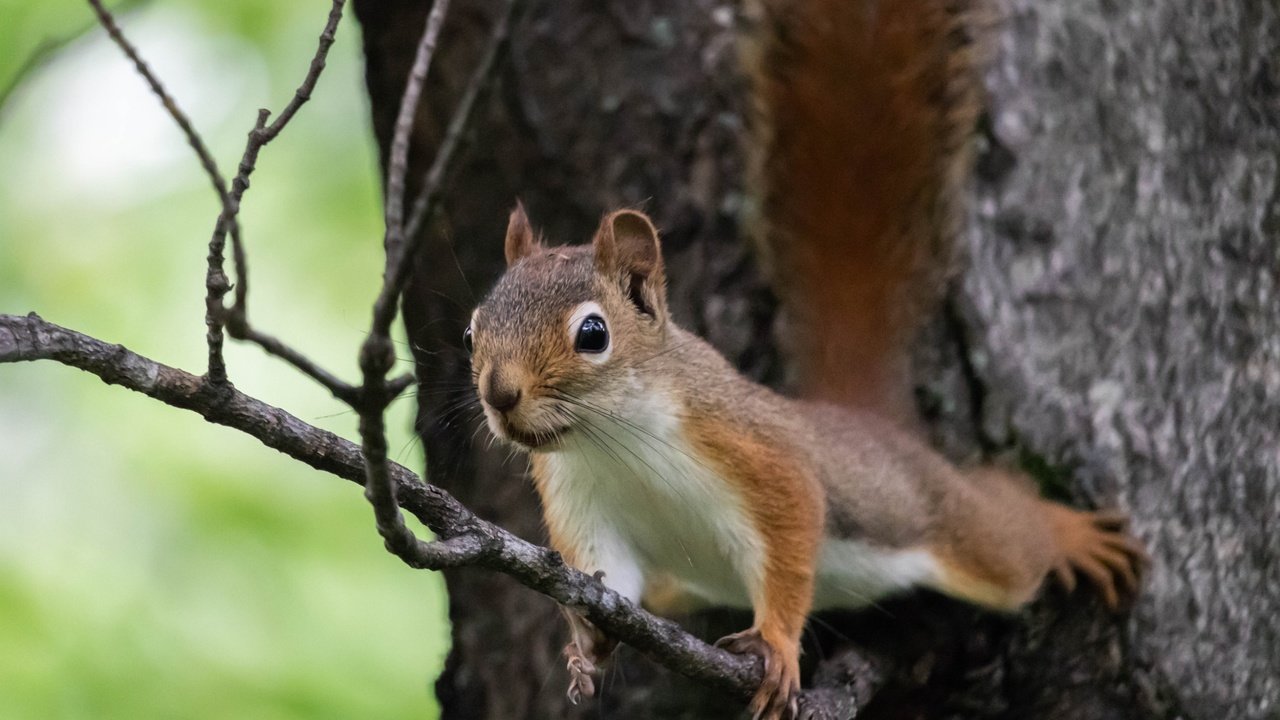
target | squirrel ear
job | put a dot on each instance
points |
(627, 247)
(520, 238)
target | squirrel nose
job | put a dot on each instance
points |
(502, 399)
(502, 394)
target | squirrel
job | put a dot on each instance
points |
(678, 481)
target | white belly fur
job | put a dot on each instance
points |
(632, 496)
(853, 574)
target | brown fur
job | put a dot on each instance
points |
(785, 503)
(864, 114)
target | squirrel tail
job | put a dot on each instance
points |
(865, 109)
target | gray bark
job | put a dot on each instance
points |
(1115, 329)
(1124, 310)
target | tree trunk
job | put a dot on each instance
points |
(1116, 331)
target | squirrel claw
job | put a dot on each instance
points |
(581, 674)
(747, 642)
(779, 692)
(1098, 547)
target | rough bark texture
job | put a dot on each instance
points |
(1124, 309)
(1116, 329)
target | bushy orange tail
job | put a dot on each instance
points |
(865, 109)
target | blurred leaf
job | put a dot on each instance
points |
(152, 565)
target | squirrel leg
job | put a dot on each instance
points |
(1004, 540)
(614, 565)
(780, 610)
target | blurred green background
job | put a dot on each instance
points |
(152, 565)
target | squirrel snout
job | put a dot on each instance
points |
(500, 393)
(502, 399)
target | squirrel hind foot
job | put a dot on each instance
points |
(778, 697)
(1099, 547)
(582, 673)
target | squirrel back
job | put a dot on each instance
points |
(864, 110)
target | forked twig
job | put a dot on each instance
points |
(402, 240)
(216, 282)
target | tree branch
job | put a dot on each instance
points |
(237, 318)
(433, 182)
(216, 284)
(466, 539)
(196, 142)
(261, 134)
(398, 162)
(377, 354)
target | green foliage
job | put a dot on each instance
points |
(152, 565)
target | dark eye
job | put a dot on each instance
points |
(467, 342)
(593, 336)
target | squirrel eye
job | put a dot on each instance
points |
(593, 336)
(467, 342)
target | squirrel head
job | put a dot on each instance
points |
(559, 338)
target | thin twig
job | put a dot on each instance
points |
(261, 134)
(398, 160)
(216, 284)
(237, 318)
(398, 268)
(433, 182)
(340, 389)
(377, 355)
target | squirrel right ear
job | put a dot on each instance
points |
(520, 238)
(626, 247)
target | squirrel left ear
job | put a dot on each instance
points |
(627, 248)
(520, 238)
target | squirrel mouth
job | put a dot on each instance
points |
(537, 439)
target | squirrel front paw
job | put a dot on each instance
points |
(582, 672)
(1098, 546)
(779, 692)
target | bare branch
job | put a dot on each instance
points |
(432, 184)
(468, 540)
(398, 162)
(308, 85)
(377, 354)
(341, 390)
(399, 264)
(261, 134)
(216, 284)
(237, 319)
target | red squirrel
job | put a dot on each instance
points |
(684, 483)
